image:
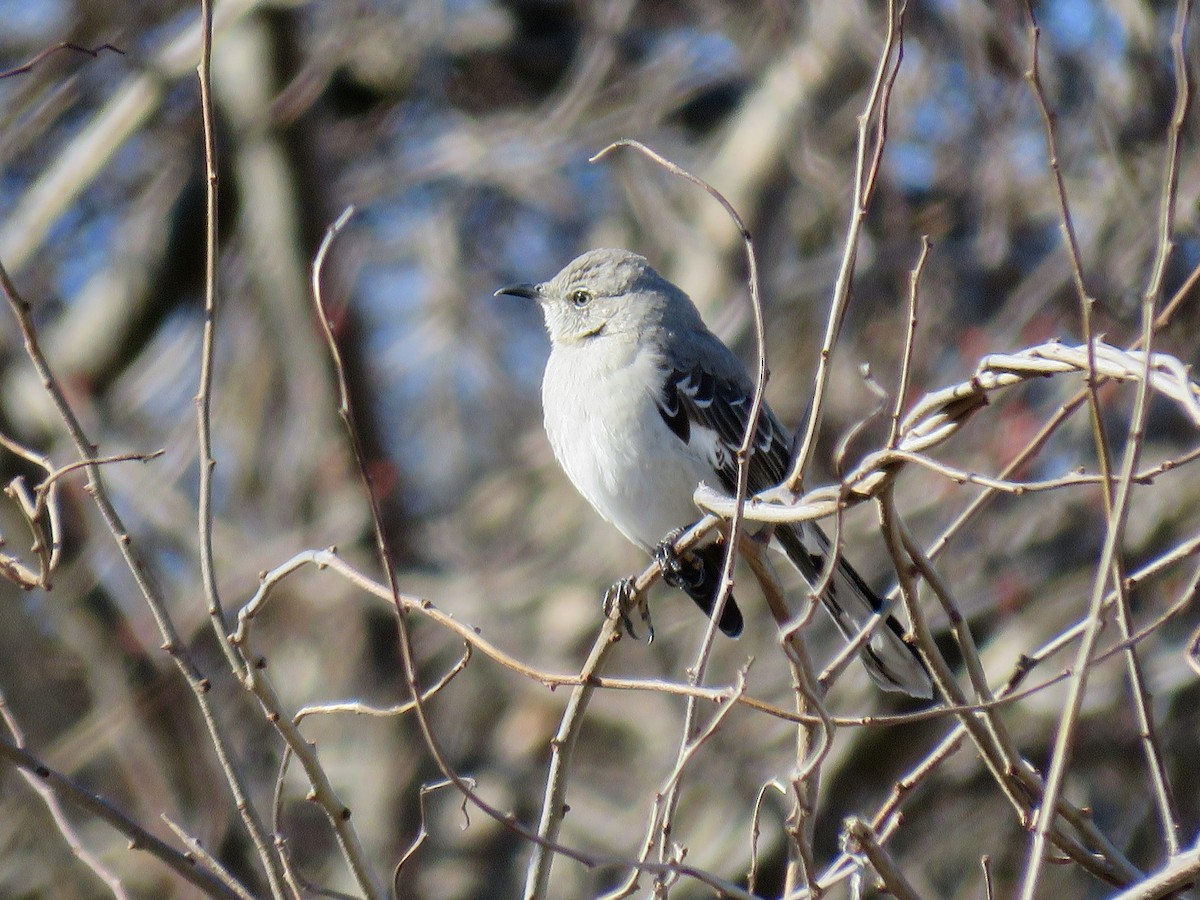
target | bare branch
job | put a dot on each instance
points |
(93, 52)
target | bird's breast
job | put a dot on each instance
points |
(603, 423)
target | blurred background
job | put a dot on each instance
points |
(461, 130)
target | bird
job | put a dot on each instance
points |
(642, 402)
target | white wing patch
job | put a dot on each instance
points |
(709, 415)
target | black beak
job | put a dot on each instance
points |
(528, 291)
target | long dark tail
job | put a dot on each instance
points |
(891, 662)
(700, 577)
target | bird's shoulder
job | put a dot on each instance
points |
(698, 349)
(707, 392)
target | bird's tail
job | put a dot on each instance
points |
(891, 662)
(701, 579)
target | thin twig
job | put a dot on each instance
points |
(421, 835)
(322, 792)
(93, 52)
(203, 398)
(906, 357)
(940, 414)
(150, 591)
(40, 510)
(1137, 682)
(28, 222)
(562, 748)
(864, 840)
(874, 111)
(357, 709)
(663, 796)
(1036, 443)
(1011, 773)
(1133, 447)
(801, 865)
(756, 830)
(42, 515)
(1034, 77)
(888, 815)
(139, 838)
(1179, 873)
(58, 814)
(197, 850)
(327, 559)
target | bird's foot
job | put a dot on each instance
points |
(621, 599)
(678, 570)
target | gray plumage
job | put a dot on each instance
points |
(642, 403)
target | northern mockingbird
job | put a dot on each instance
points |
(642, 403)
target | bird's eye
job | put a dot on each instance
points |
(581, 298)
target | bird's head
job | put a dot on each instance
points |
(602, 293)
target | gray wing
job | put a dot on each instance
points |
(697, 399)
(698, 405)
(694, 399)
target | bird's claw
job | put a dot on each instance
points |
(678, 570)
(620, 599)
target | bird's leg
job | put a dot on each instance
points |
(620, 598)
(678, 570)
